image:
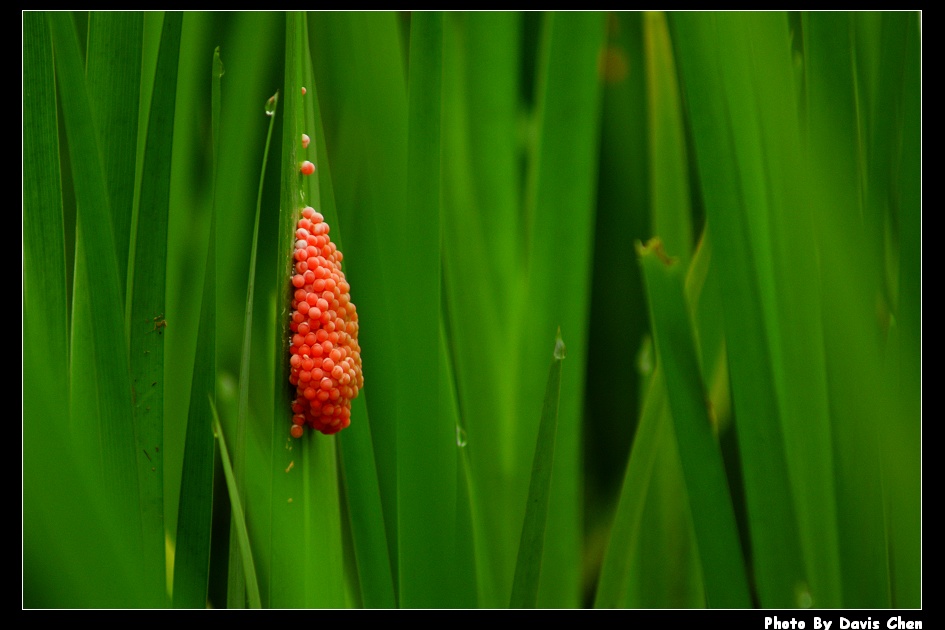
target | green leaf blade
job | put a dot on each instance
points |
(358, 469)
(305, 514)
(669, 176)
(109, 414)
(426, 451)
(45, 298)
(147, 297)
(195, 511)
(710, 503)
(728, 183)
(114, 75)
(617, 569)
(559, 212)
(236, 505)
(851, 288)
(532, 542)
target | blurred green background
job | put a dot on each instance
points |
(739, 417)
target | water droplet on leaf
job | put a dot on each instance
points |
(271, 104)
(645, 357)
(802, 595)
(560, 350)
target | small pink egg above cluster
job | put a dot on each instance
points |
(324, 354)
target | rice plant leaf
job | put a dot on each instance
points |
(730, 187)
(305, 510)
(44, 266)
(628, 578)
(876, 45)
(906, 491)
(490, 46)
(98, 293)
(147, 297)
(723, 564)
(325, 557)
(286, 580)
(481, 267)
(851, 286)
(74, 555)
(362, 493)
(559, 209)
(795, 326)
(653, 528)
(426, 455)
(236, 506)
(195, 504)
(114, 75)
(669, 176)
(666, 536)
(252, 45)
(361, 55)
(615, 390)
(235, 585)
(355, 447)
(616, 572)
(194, 517)
(463, 586)
(286, 574)
(531, 545)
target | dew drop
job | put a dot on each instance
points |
(460, 436)
(271, 104)
(218, 63)
(645, 357)
(560, 350)
(802, 595)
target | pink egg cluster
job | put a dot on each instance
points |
(324, 354)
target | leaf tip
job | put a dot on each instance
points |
(654, 247)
